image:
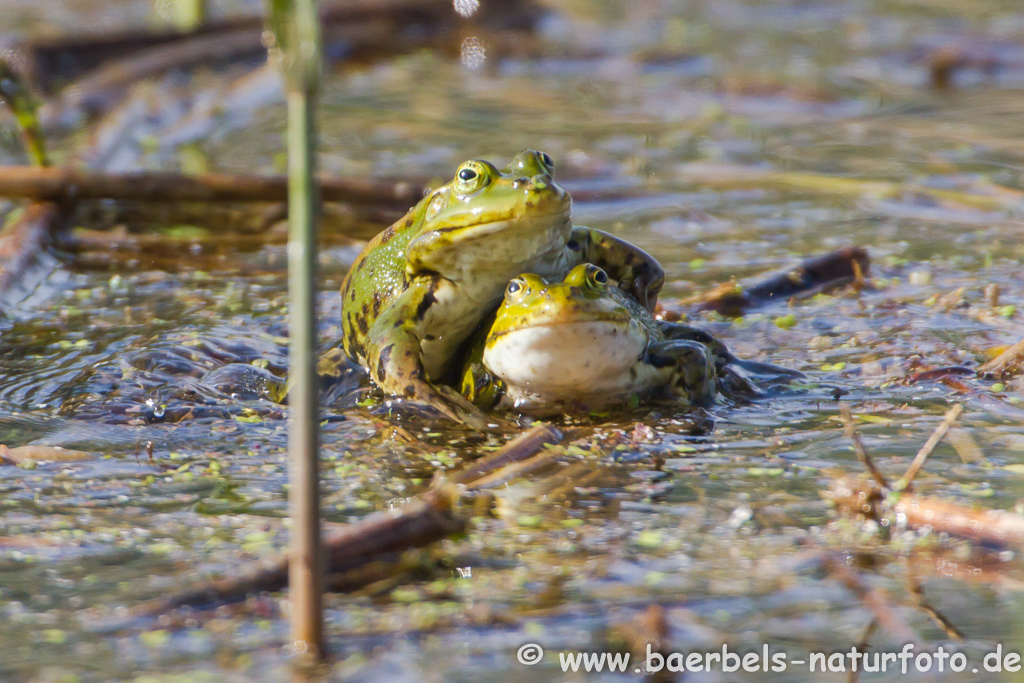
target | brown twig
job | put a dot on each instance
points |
(998, 527)
(862, 646)
(835, 269)
(514, 470)
(1005, 363)
(516, 450)
(858, 447)
(57, 184)
(916, 589)
(951, 415)
(875, 599)
(420, 522)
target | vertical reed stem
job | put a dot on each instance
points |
(305, 576)
(295, 24)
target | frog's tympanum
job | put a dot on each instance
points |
(582, 344)
(420, 288)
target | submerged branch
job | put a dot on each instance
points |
(917, 512)
(850, 429)
(873, 598)
(834, 269)
(908, 477)
(63, 184)
(425, 519)
(1009, 361)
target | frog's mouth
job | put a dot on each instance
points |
(536, 222)
(561, 358)
(496, 250)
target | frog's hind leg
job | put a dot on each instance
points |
(636, 271)
(690, 367)
(736, 377)
(393, 357)
(682, 332)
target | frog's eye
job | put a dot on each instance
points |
(596, 277)
(470, 177)
(546, 158)
(515, 286)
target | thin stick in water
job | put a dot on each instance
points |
(858, 447)
(929, 445)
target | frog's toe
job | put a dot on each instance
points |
(453, 406)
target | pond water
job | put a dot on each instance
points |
(677, 122)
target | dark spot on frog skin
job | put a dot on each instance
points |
(428, 300)
(377, 300)
(352, 294)
(386, 236)
(361, 322)
(385, 356)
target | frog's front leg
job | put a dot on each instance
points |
(393, 357)
(692, 370)
(636, 271)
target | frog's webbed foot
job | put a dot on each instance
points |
(751, 379)
(693, 378)
(410, 387)
(340, 377)
(636, 271)
(397, 369)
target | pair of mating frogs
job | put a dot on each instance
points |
(487, 286)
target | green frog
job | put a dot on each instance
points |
(582, 344)
(420, 288)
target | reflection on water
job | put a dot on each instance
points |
(637, 102)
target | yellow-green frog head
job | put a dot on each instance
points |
(487, 217)
(556, 338)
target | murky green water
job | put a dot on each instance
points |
(726, 530)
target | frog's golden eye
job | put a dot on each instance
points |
(596, 277)
(547, 161)
(471, 176)
(515, 287)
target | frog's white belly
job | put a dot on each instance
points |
(595, 363)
